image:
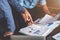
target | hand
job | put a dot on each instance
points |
(27, 18)
(29, 21)
(7, 34)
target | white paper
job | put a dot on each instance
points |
(57, 16)
(39, 29)
(42, 30)
(49, 19)
(57, 36)
(46, 19)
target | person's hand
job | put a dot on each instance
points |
(7, 34)
(27, 17)
(29, 21)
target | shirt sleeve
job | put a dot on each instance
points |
(28, 3)
(16, 5)
(42, 2)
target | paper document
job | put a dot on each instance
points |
(42, 27)
(57, 36)
(42, 30)
(49, 19)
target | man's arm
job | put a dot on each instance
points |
(27, 17)
(49, 17)
(25, 14)
(45, 8)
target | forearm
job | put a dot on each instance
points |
(46, 10)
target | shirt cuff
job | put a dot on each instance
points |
(43, 2)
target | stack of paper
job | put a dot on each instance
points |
(39, 29)
(36, 30)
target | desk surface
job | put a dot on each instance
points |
(57, 30)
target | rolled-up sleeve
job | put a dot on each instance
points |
(16, 5)
(42, 2)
